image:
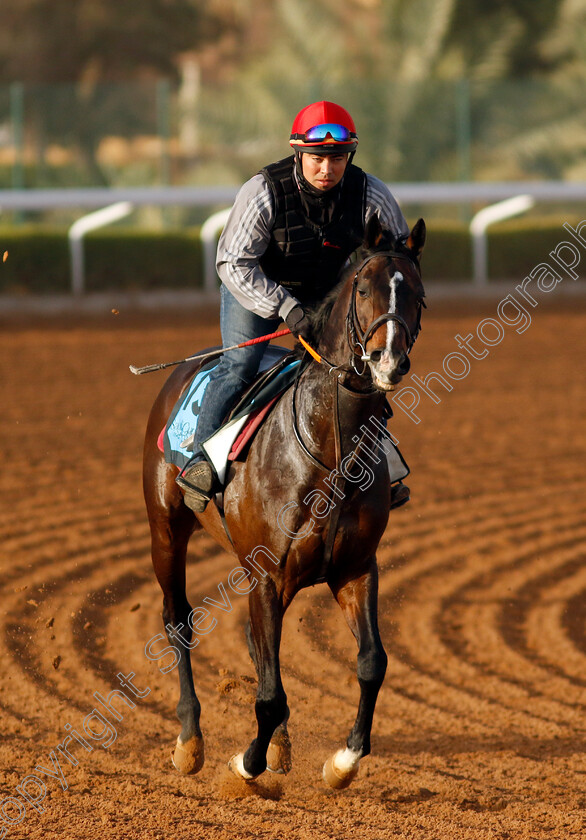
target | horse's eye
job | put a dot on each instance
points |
(363, 293)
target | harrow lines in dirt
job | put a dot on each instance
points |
(545, 622)
(447, 628)
(492, 520)
(441, 615)
(479, 727)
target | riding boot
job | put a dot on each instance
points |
(399, 495)
(199, 482)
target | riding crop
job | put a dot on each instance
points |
(161, 365)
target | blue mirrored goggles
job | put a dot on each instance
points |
(319, 133)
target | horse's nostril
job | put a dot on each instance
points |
(405, 365)
(376, 355)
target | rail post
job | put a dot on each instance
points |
(481, 222)
(77, 231)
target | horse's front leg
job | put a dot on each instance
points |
(279, 750)
(358, 600)
(266, 621)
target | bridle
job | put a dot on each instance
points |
(359, 338)
(356, 338)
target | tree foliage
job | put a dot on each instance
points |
(503, 38)
(427, 80)
(425, 77)
(104, 40)
(66, 40)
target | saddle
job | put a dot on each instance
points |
(278, 369)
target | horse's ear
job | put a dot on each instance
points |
(416, 239)
(373, 232)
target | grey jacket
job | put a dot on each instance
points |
(247, 233)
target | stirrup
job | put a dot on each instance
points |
(198, 482)
(196, 500)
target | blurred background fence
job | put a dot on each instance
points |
(194, 134)
(157, 133)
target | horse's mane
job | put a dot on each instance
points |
(319, 313)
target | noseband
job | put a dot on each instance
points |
(359, 338)
(356, 337)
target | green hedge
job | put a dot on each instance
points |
(515, 247)
(118, 259)
(37, 261)
(129, 259)
(447, 254)
(144, 260)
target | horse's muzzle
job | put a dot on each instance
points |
(388, 368)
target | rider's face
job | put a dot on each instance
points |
(323, 171)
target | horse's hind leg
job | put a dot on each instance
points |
(358, 600)
(279, 749)
(266, 616)
(170, 532)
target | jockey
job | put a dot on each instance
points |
(290, 231)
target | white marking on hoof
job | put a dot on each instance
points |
(188, 757)
(279, 754)
(236, 765)
(341, 768)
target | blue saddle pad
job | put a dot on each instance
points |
(178, 434)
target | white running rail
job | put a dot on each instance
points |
(77, 231)
(406, 193)
(481, 222)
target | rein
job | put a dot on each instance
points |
(356, 338)
(359, 338)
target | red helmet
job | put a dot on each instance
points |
(324, 127)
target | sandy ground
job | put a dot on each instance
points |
(480, 729)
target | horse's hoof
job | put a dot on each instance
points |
(340, 770)
(188, 757)
(279, 754)
(236, 765)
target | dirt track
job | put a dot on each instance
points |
(480, 730)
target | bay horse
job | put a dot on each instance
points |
(364, 331)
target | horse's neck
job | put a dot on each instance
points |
(333, 342)
(319, 409)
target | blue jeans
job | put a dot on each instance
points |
(235, 370)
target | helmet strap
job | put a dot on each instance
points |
(303, 183)
(301, 178)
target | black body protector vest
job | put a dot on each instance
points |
(302, 256)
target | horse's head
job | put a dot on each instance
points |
(385, 306)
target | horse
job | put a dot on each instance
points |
(325, 501)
